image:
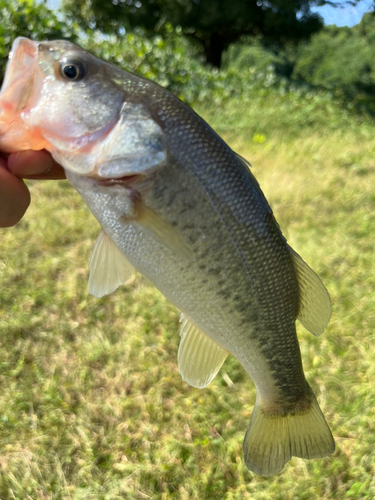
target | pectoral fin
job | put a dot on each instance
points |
(159, 229)
(109, 268)
(199, 357)
(315, 305)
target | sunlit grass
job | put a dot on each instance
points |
(92, 405)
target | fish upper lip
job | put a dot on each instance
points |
(18, 84)
(29, 46)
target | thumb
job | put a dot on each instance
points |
(35, 165)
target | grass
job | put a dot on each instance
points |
(92, 406)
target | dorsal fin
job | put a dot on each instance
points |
(253, 180)
(199, 357)
(243, 160)
(315, 305)
(109, 268)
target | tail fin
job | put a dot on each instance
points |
(272, 438)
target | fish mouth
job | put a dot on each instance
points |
(125, 181)
(17, 91)
(19, 79)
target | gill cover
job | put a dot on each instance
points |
(134, 145)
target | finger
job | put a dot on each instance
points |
(35, 165)
(14, 197)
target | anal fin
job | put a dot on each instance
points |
(199, 357)
(109, 268)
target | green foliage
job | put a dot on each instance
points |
(169, 60)
(172, 62)
(32, 20)
(250, 78)
(341, 59)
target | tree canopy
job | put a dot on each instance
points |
(214, 24)
(340, 58)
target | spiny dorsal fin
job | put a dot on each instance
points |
(199, 357)
(248, 167)
(315, 305)
(244, 161)
(109, 268)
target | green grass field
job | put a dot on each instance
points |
(92, 405)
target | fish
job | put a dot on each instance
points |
(175, 203)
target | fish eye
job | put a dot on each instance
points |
(73, 70)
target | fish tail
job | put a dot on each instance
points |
(275, 435)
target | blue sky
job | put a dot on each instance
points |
(347, 16)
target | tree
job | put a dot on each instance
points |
(214, 24)
(340, 58)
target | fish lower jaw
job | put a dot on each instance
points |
(14, 139)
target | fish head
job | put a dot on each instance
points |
(88, 113)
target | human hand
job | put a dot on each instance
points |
(14, 194)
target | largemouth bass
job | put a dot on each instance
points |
(177, 204)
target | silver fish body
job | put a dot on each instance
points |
(188, 214)
(240, 277)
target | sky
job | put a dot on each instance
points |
(347, 16)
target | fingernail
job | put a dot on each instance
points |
(49, 163)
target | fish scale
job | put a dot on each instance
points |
(177, 204)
